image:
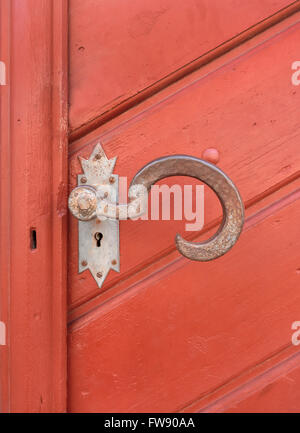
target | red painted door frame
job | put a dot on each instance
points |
(33, 193)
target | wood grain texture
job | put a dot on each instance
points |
(246, 108)
(282, 395)
(34, 151)
(5, 23)
(252, 391)
(279, 196)
(190, 329)
(121, 50)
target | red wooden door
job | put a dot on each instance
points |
(157, 78)
(148, 79)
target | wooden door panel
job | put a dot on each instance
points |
(120, 49)
(168, 334)
(282, 395)
(189, 329)
(247, 109)
(271, 386)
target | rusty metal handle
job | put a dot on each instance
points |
(219, 182)
(87, 202)
(96, 198)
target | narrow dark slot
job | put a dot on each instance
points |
(33, 240)
(98, 237)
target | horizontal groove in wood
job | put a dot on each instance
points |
(246, 384)
(212, 325)
(273, 141)
(279, 197)
(255, 204)
(184, 71)
(165, 94)
(285, 118)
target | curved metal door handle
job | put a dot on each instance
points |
(216, 179)
(97, 202)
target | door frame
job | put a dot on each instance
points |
(33, 197)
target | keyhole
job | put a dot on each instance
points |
(98, 237)
(33, 239)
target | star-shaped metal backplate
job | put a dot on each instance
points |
(99, 240)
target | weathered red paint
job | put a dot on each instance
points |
(33, 174)
(119, 59)
(165, 334)
(242, 121)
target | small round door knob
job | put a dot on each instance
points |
(83, 202)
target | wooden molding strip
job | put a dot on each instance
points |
(33, 230)
(5, 204)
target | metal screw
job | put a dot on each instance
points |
(84, 263)
(99, 274)
(112, 179)
(114, 262)
(83, 179)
